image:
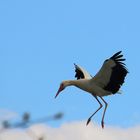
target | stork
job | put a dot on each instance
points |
(107, 81)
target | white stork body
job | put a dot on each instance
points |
(106, 82)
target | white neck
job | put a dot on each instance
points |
(70, 82)
(77, 83)
(83, 84)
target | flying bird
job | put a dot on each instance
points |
(107, 81)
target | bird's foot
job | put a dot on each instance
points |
(102, 123)
(88, 121)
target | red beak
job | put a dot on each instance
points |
(59, 90)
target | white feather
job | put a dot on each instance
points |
(86, 74)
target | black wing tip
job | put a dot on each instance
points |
(116, 55)
(122, 59)
(119, 52)
(118, 58)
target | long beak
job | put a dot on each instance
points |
(60, 89)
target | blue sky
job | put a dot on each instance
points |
(40, 41)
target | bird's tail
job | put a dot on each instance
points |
(120, 92)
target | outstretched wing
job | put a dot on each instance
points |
(112, 73)
(80, 73)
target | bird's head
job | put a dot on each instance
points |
(63, 85)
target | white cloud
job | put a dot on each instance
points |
(73, 131)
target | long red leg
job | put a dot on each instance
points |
(89, 119)
(102, 122)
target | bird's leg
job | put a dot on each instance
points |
(102, 123)
(89, 119)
